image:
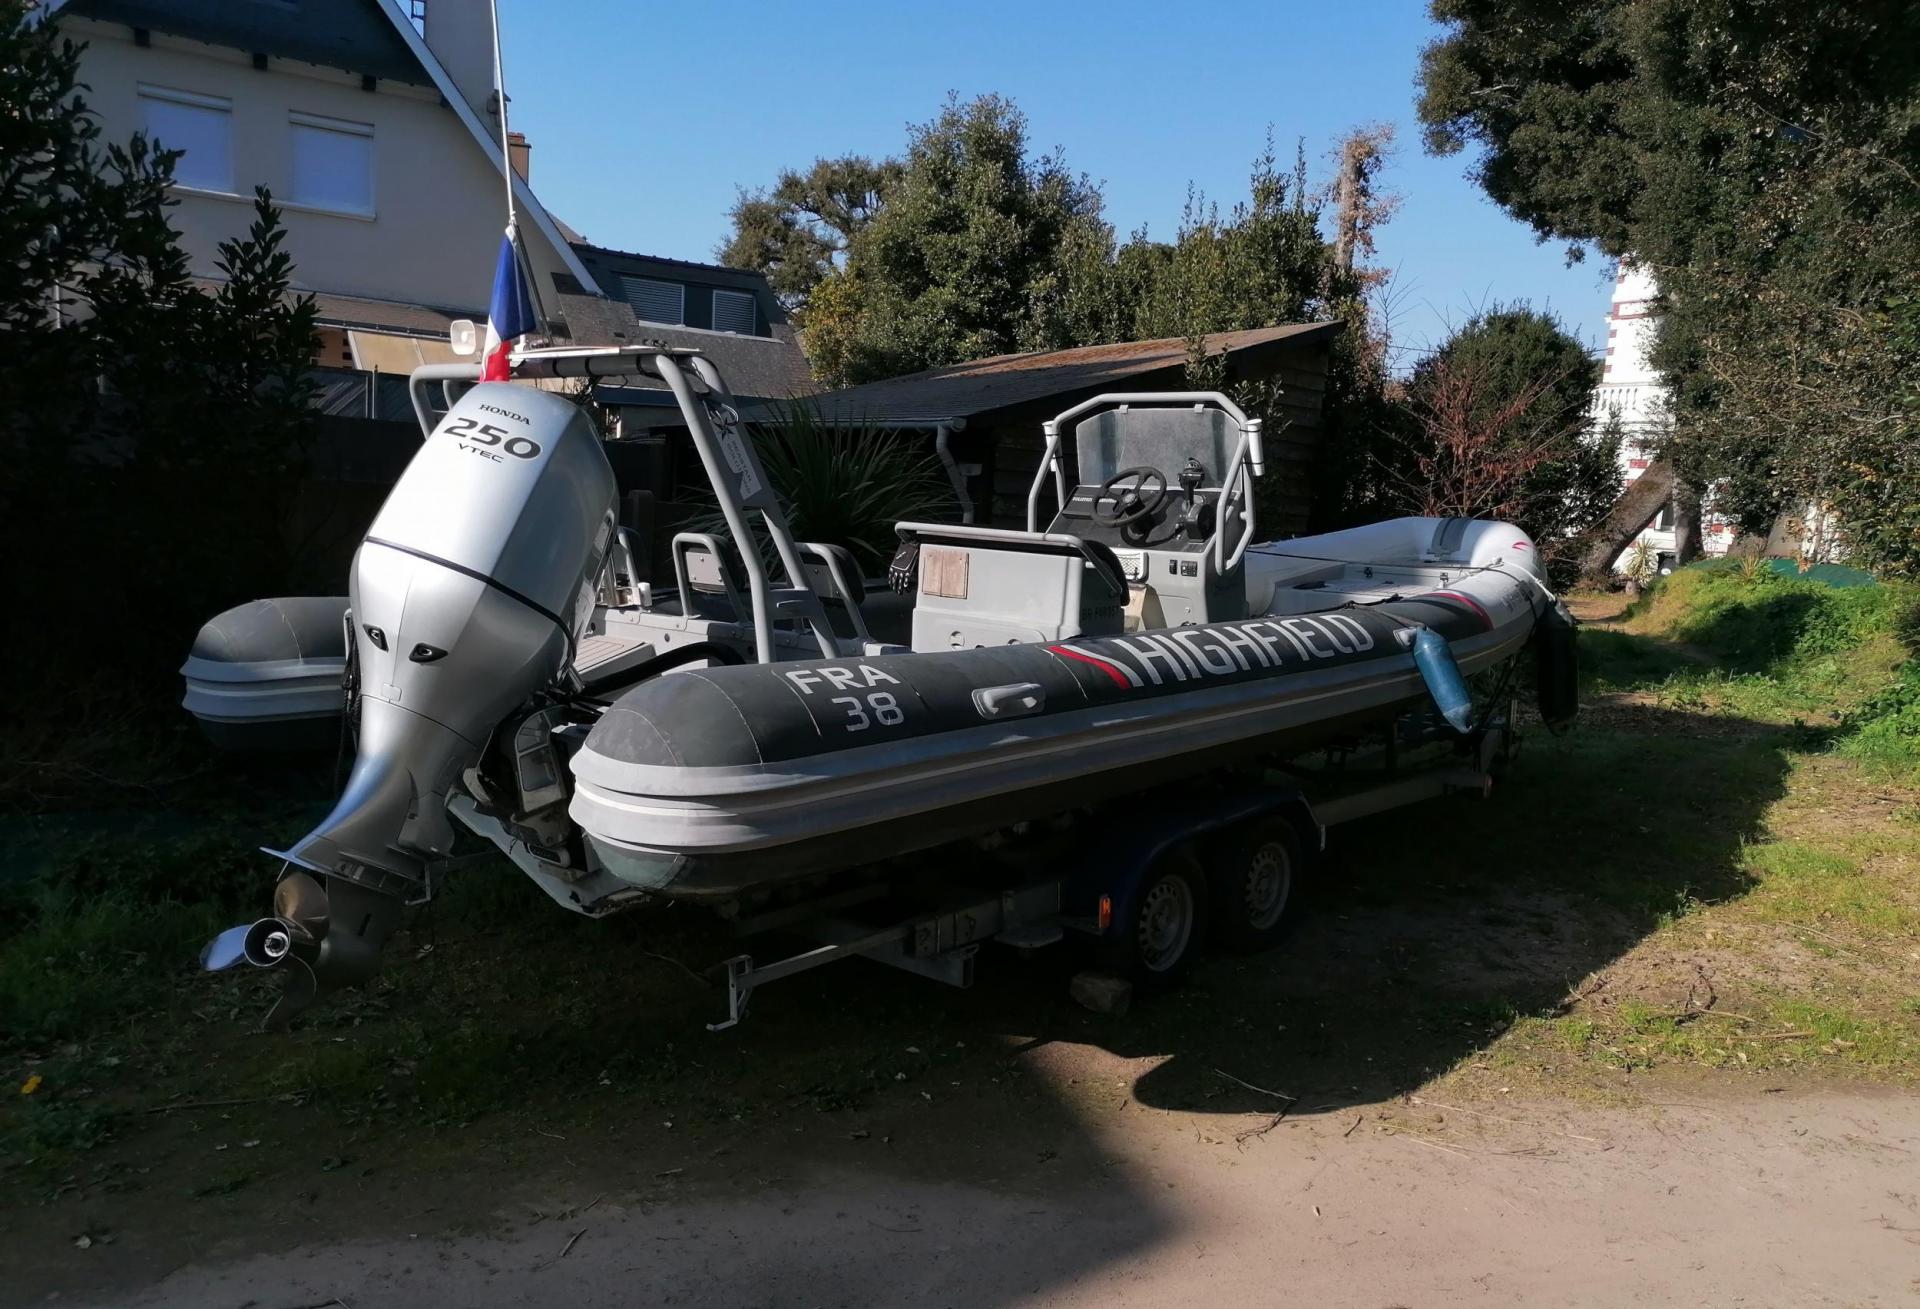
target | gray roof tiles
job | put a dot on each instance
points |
(350, 34)
(388, 315)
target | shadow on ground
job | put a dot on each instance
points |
(1426, 932)
(504, 1027)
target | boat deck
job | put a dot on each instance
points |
(613, 652)
(1315, 597)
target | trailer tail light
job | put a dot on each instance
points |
(1106, 913)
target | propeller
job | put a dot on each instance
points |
(298, 898)
(226, 949)
(295, 939)
(293, 932)
(296, 993)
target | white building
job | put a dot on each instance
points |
(1631, 391)
(378, 140)
(376, 127)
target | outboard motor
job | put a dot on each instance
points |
(469, 595)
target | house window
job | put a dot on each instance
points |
(734, 311)
(200, 125)
(655, 302)
(332, 164)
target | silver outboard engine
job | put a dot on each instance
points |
(469, 594)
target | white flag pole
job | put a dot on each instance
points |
(506, 172)
(500, 93)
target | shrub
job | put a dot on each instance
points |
(847, 484)
(1754, 621)
(1906, 625)
(1885, 729)
(1854, 645)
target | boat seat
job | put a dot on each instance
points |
(709, 580)
(981, 586)
(834, 575)
(712, 582)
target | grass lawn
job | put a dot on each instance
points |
(1717, 874)
(1803, 951)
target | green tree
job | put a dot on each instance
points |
(215, 390)
(968, 247)
(799, 232)
(1494, 425)
(1763, 160)
(81, 224)
(963, 247)
(955, 260)
(1261, 264)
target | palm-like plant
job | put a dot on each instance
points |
(847, 484)
(1640, 565)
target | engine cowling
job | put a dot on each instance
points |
(469, 593)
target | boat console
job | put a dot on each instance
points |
(1152, 532)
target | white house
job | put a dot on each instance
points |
(376, 128)
(378, 140)
(1632, 392)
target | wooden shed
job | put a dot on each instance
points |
(987, 415)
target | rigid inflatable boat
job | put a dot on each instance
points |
(268, 675)
(717, 782)
(738, 730)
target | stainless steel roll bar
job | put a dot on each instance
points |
(543, 365)
(1236, 484)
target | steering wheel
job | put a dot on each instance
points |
(1134, 503)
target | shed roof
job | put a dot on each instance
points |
(350, 34)
(978, 390)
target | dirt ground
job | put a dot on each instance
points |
(1801, 1199)
(1579, 1045)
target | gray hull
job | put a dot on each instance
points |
(266, 676)
(713, 784)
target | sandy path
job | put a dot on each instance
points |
(1797, 1199)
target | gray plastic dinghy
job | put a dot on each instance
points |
(706, 784)
(266, 675)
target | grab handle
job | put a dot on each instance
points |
(1014, 700)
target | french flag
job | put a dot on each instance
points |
(510, 316)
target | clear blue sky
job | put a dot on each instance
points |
(645, 117)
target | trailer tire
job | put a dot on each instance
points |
(1254, 872)
(1159, 926)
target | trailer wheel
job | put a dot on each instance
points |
(1254, 871)
(1158, 929)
